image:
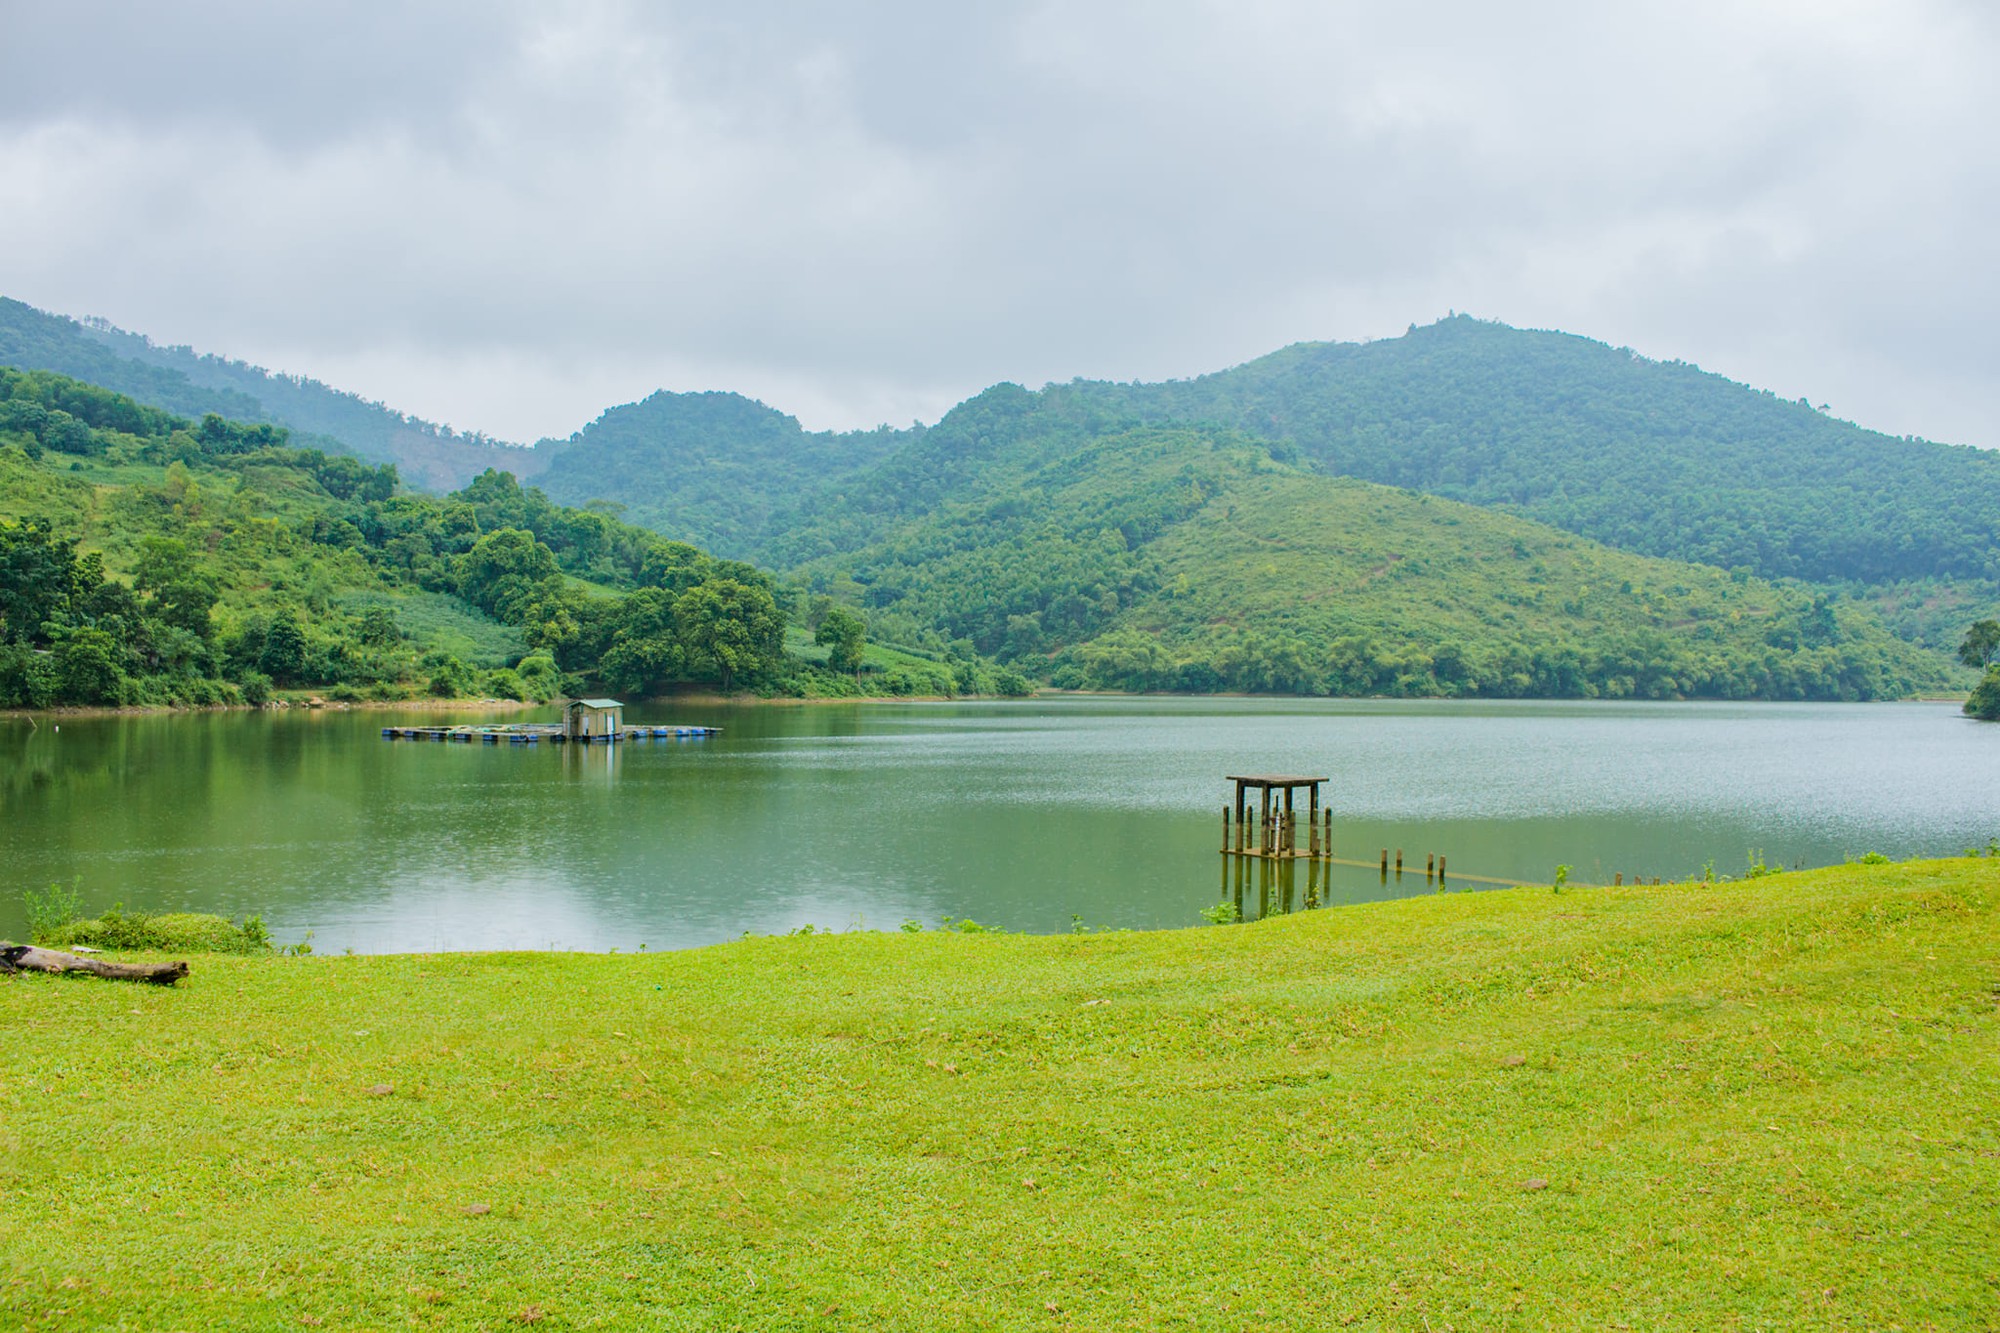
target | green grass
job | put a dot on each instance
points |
(1755, 1104)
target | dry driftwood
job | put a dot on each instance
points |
(28, 958)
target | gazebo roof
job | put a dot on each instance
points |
(596, 703)
(1268, 781)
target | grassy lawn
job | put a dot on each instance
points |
(1765, 1104)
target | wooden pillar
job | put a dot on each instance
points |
(1385, 863)
(1440, 869)
(1617, 879)
(1264, 808)
(1399, 863)
(1225, 830)
(1430, 864)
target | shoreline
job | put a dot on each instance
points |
(707, 698)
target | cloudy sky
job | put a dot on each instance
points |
(507, 218)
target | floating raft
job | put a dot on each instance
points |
(535, 733)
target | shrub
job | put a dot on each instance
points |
(504, 683)
(170, 932)
(52, 909)
(256, 688)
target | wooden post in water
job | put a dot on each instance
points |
(1326, 843)
(1225, 830)
(1617, 879)
(1385, 863)
(1399, 863)
(1430, 864)
(1440, 868)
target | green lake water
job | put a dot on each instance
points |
(1018, 815)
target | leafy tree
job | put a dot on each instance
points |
(841, 632)
(729, 629)
(1984, 702)
(87, 666)
(504, 571)
(1981, 646)
(283, 658)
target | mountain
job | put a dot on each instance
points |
(1661, 458)
(1658, 458)
(1191, 559)
(714, 469)
(181, 380)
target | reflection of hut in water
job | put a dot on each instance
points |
(593, 719)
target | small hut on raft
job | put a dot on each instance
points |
(593, 719)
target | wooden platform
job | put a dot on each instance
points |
(536, 733)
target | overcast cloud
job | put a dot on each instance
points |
(508, 218)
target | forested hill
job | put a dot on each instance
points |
(1188, 559)
(181, 380)
(1656, 457)
(1659, 458)
(146, 558)
(714, 469)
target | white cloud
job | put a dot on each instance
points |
(507, 218)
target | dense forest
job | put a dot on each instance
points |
(148, 558)
(1192, 560)
(716, 469)
(1217, 533)
(1656, 457)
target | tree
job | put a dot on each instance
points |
(841, 632)
(1985, 701)
(1982, 645)
(180, 595)
(39, 574)
(730, 628)
(505, 571)
(284, 655)
(87, 666)
(646, 653)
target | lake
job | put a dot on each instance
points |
(1022, 815)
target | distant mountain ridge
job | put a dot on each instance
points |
(179, 379)
(1655, 458)
(1661, 458)
(1658, 458)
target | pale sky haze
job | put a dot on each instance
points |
(508, 217)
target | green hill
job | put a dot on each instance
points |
(1187, 559)
(180, 380)
(1659, 458)
(715, 469)
(1656, 457)
(149, 559)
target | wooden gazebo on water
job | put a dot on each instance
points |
(1270, 831)
(1274, 831)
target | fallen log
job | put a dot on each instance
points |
(28, 958)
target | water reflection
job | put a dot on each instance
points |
(1017, 815)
